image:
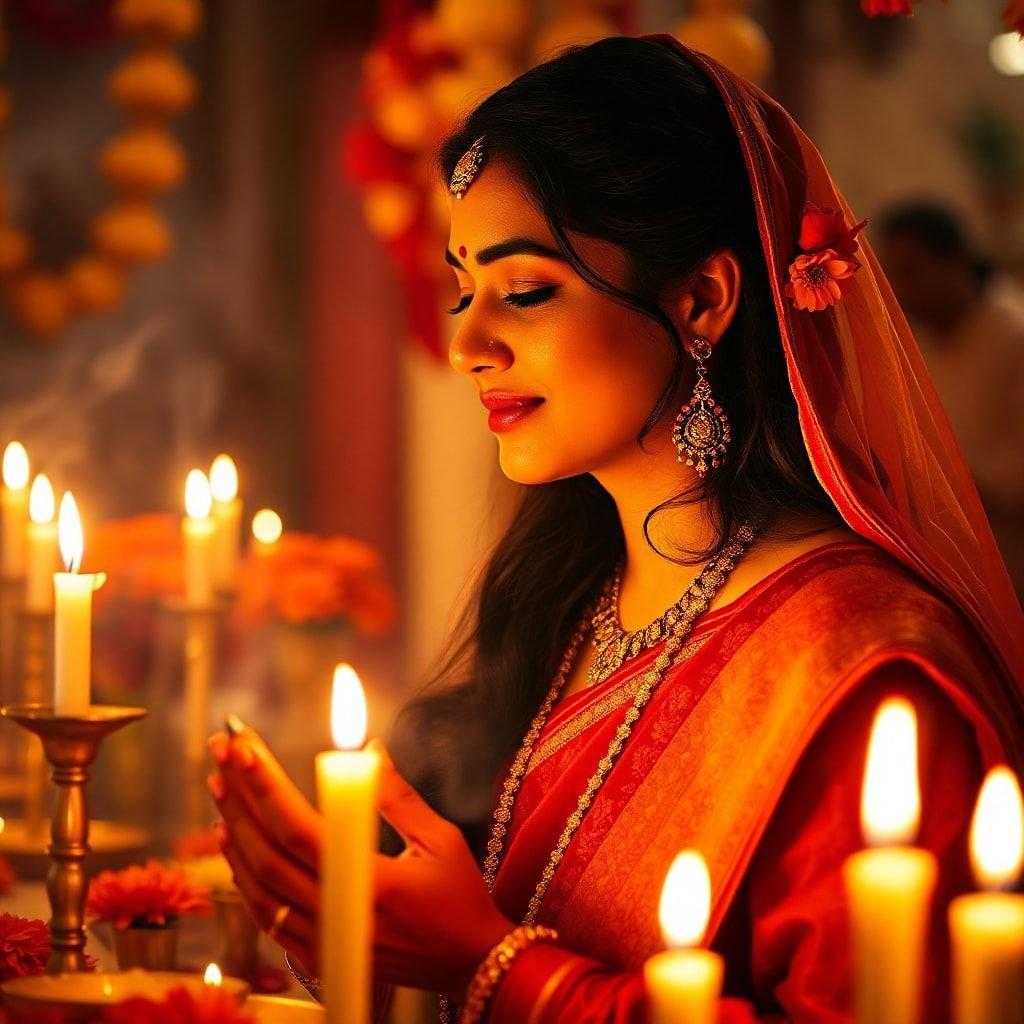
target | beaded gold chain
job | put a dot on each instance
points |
(714, 576)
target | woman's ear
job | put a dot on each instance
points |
(707, 307)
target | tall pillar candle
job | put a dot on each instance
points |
(987, 928)
(72, 637)
(346, 781)
(42, 547)
(227, 514)
(684, 982)
(890, 888)
(198, 535)
(14, 505)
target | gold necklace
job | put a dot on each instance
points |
(613, 645)
(714, 580)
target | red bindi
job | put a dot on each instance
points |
(462, 252)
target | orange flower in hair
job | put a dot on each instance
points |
(828, 258)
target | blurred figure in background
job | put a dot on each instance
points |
(969, 322)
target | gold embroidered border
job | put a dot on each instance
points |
(605, 706)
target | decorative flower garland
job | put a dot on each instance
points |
(1013, 13)
(145, 161)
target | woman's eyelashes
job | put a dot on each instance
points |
(533, 297)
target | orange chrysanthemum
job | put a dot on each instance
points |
(150, 896)
(180, 1006)
(24, 946)
(814, 279)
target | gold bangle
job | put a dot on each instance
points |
(493, 969)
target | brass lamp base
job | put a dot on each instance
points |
(70, 743)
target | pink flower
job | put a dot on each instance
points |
(814, 279)
(149, 896)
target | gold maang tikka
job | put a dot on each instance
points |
(467, 168)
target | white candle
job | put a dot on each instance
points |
(42, 547)
(72, 637)
(227, 513)
(347, 791)
(14, 501)
(266, 532)
(198, 533)
(684, 982)
(890, 888)
(987, 928)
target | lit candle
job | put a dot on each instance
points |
(684, 982)
(212, 976)
(890, 888)
(72, 636)
(227, 513)
(346, 781)
(14, 499)
(987, 928)
(266, 532)
(42, 547)
(198, 532)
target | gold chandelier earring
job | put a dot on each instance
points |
(701, 432)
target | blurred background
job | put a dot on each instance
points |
(227, 237)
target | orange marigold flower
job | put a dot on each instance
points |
(180, 1006)
(193, 845)
(814, 279)
(150, 896)
(24, 946)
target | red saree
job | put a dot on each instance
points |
(739, 755)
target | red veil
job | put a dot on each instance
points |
(875, 430)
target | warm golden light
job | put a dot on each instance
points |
(3, 824)
(997, 831)
(198, 499)
(1006, 51)
(348, 709)
(267, 526)
(224, 478)
(890, 803)
(69, 533)
(41, 504)
(212, 975)
(15, 469)
(685, 905)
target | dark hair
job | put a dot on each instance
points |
(936, 228)
(626, 141)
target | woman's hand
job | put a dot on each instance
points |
(271, 836)
(434, 921)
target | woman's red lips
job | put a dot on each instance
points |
(507, 410)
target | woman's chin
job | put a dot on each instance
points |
(531, 466)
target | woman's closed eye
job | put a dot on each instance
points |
(521, 299)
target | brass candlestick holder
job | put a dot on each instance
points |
(70, 743)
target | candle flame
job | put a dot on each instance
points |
(224, 478)
(41, 505)
(15, 469)
(3, 824)
(685, 905)
(213, 975)
(69, 533)
(348, 709)
(267, 526)
(890, 803)
(198, 499)
(997, 831)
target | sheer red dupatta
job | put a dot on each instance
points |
(877, 435)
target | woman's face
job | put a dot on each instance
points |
(576, 373)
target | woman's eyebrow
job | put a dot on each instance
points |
(510, 247)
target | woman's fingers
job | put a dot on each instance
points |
(278, 874)
(272, 799)
(297, 932)
(405, 810)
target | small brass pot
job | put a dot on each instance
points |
(238, 932)
(153, 949)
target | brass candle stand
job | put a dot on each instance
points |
(70, 743)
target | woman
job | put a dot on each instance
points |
(687, 355)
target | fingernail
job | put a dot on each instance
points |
(234, 724)
(215, 784)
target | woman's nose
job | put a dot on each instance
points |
(472, 352)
